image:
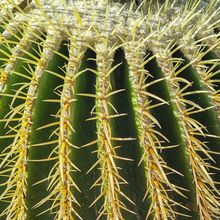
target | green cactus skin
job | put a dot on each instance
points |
(109, 110)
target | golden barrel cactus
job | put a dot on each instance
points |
(109, 110)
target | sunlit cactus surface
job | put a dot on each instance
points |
(109, 110)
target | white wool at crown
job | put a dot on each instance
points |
(74, 14)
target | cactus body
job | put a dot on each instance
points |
(109, 111)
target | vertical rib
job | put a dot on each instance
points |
(18, 150)
(64, 183)
(192, 53)
(205, 189)
(156, 170)
(110, 179)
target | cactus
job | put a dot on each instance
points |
(109, 110)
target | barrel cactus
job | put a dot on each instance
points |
(109, 109)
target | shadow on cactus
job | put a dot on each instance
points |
(109, 110)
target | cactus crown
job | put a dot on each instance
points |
(74, 74)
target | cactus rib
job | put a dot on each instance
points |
(207, 200)
(149, 138)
